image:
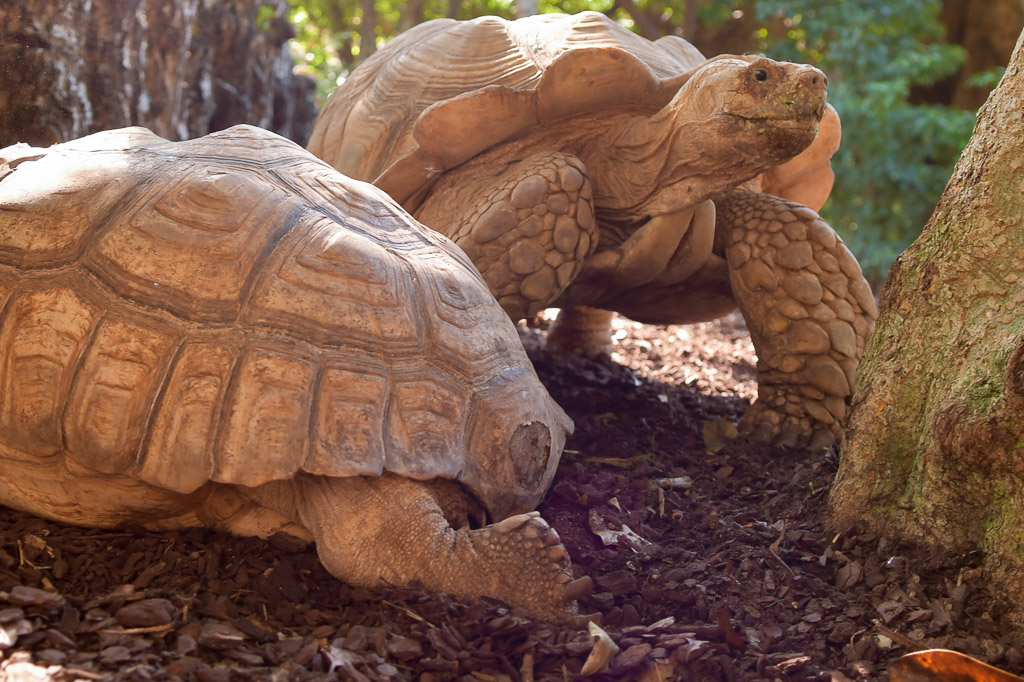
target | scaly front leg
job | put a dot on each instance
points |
(809, 311)
(375, 531)
(530, 227)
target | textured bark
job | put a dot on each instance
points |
(182, 69)
(934, 446)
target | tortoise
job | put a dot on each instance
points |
(582, 166)
(226, 332)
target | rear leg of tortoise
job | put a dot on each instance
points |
(581, 330)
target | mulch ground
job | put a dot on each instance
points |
(708, 566)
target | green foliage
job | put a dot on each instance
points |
(987, 79)
(896, 157)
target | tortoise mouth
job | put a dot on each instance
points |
(787, 120)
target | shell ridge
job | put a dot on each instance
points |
(110, 199)
(153, 463)
(9, 327)
(162, 382)
(75, 375)
(398, 459)
(275, 374)
(259, 270)
(339, 460)
(111, 412)
(221, 422)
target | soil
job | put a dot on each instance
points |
(708, 565)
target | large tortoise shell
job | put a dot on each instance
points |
(231, 309)
(579, 62)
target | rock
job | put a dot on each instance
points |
(618, 582)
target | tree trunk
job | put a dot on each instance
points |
(527, 8)
(182, 69)
(934, 448)
(647, 27)
(987, 30)
(412, 14)
(367, 28)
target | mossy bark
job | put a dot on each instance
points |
(934, 447)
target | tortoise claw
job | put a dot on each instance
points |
(581, 622)
(579, 588)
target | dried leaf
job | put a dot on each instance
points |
(612, 537)
(937, 665)
(676, 482)
(849, 575)
(889, 610)
(601, 652)
(718, 433)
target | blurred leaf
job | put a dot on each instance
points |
(718, 433)
(943, 665)
(987, 79)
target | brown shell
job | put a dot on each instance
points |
(231, 309)
(534, 70)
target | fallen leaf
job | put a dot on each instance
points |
(718, 433)
(849, 575)
(601, 652)
(938, 665)
(612, 537)
(676, 482)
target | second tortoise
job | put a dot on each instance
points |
(584, 167)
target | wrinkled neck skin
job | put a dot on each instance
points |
(678, 157)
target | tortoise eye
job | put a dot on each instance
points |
(761, 75)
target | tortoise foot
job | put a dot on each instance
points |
(388, 530)
(580, 330)
(787, 425)
(525, 545)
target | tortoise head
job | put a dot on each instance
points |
(516, 434)
(759, 107)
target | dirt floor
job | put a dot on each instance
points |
(707, 566)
